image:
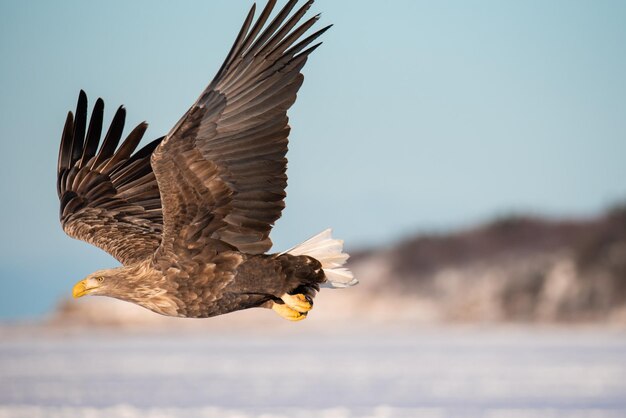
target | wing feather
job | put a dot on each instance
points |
(112, 138)
(93, 133)
(109, 196)
(65, 151)
(79, 127)
(222, 168)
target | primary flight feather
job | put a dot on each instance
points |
(189, 215)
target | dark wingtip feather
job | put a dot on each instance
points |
(66, 142)
(265, 14)
(93, 132)
(309, 50)
(128, 146)
(65, 149)
(305, 42)
(282, 39)
(241, 37)
(81, 105)
(286, 41)
(112, 138)
(272, 27)
(146, 151)
(80, 123)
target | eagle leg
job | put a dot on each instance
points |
(288, 313)
(298, 302)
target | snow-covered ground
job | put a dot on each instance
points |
(403, 372)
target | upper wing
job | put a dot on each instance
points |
(221, 169)
(108, 198)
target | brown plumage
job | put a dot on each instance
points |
(189, 215)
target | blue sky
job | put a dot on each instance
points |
(414, 116)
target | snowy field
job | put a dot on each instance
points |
(448, 372)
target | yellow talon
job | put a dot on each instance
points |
(288, 313)
(297, 302)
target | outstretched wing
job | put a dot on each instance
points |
(221, 169)
(109, 198)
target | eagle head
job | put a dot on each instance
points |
(137, 284)
(101, 282)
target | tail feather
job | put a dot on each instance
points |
(328, 251)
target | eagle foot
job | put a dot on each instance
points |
(299, 302)
(288, 313)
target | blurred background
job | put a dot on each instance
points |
(471, 154)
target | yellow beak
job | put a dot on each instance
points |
(81, 289)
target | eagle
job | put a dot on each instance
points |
(189, 215)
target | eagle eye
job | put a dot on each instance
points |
(100, 279)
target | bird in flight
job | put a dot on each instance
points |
(189, 214)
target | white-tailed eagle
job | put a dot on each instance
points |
(189, 215)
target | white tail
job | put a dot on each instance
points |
(327, 251)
